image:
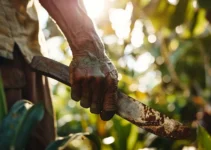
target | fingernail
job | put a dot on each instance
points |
(107, 115)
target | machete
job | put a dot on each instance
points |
(128, 108)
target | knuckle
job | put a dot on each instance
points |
(114, 74)
(101, 78)
(112, 81)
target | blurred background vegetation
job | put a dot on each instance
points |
(162, 50)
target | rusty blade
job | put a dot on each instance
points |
(150, 119)
(128, 108)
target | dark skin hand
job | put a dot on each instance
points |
(93, 75)
(94, 84)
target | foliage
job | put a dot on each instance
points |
(16, 128)
(203, 139)
(18, 124)
(76, 140)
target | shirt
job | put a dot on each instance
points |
(19, 24)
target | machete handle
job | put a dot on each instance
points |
(128, 108)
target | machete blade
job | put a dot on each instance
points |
(128, 108)
(149, 119)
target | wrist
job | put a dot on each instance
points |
(89, 48)
(89, 55)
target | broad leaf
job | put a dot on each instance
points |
(12, 121)
(59, 143)
(19, 123)
(66, 141)
(94, 139)
(179, 15)
(203, 139)
(32, 117)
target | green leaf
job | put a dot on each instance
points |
(159, 13)
(19, 123)
(180, 14)
(203, 139)
(3, 105)
(94, 139)
(10, 123)
(32, 117)
(204, 4)
(122, 131)
(66, 141)
(194, 20)
(59, 143)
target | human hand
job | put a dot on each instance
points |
(94, 83)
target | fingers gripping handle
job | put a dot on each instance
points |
(128, 108)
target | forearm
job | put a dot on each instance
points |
(71, 17)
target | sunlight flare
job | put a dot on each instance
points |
(94, 7)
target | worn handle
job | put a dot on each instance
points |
(128, 108)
